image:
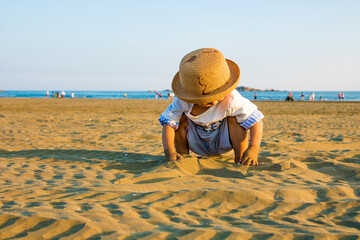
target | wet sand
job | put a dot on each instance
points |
(93, 169)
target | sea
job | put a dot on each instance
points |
(261, 95)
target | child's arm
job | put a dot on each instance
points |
(251, 153)
(168, 139)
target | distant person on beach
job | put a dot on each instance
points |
(72, 95)
(125, 95)
(170, 96)
(302, 96)
(208, 116)
(342, 96)
(255, 97)
(158, 95)
(312, 97)
(62, 94)
(290, 97)
(47, 93)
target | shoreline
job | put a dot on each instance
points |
(137, 99)
(261, 96)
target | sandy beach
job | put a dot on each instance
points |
(93, 169)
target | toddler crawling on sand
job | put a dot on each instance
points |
(208, 116)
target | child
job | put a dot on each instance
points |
(208, 116)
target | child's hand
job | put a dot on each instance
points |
(250, 156)
(172, 156)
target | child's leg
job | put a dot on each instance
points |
(181, 142)
(238, 138)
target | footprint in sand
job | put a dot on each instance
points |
(338, 138)
(58, 205)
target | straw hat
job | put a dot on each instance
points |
(205, 76)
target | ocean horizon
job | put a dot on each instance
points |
(261, 95)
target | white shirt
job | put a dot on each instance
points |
(233, 105)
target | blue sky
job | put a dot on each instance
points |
(138, 45)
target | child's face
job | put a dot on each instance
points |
(211, 103)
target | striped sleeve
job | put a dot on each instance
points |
(246, 113)
(171, 116)
(172, 123)
(254, 117)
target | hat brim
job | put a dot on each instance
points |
(219, 93)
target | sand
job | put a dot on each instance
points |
(93, 169)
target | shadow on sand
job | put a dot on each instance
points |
(134, 162)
